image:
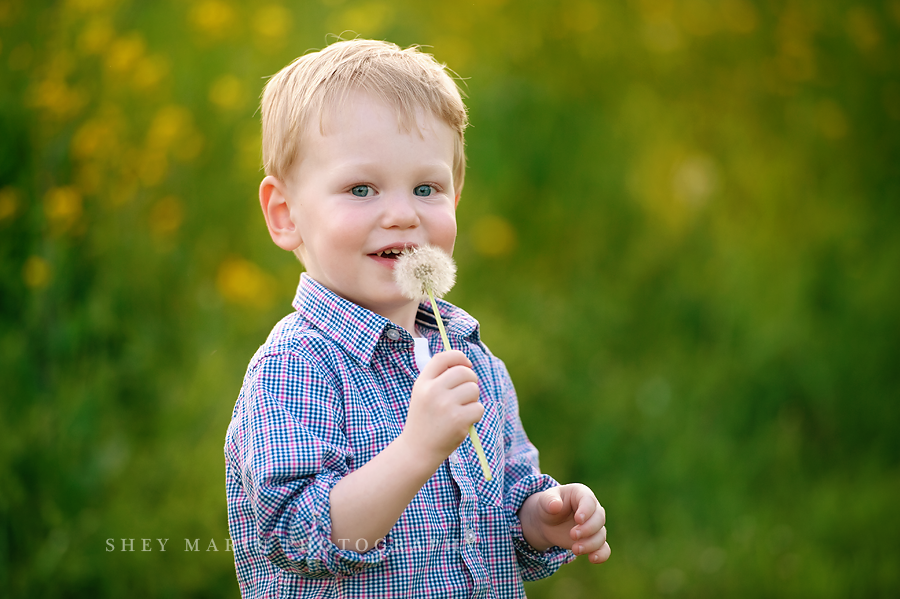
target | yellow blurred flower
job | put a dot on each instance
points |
(61, 63)
(695, 179)
(189, 147)
(493, 236)
(36, 272)
(227, 92)
(123, 187)
(170, 123)
(831, 120)
(90, 5)
(493, 4)
(166, 216)
(862, 26)
(152, 167)
(124, 53)
(699, 17)
(89, 177)
(796, 59)
(149, 72)
(368, 19)
(213, 18)
(673, 184)
(62, 206)
(272, 22)
(656, 9)
(739, 16)
(95, 137)
(9, 202)
(58, 98)
(96, 36)
(455, 51)
(581, 16)
(172, 130)
(661, 35)
(242, 282)
(894, 8)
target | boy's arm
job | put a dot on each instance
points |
(287, 452)
(367, 502)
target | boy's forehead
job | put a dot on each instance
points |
(338, 111)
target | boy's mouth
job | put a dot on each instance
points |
(391, 253)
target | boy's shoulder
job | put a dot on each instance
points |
(296, 338)
(324, 331)
(293, 334)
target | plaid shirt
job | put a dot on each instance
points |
(329, 390)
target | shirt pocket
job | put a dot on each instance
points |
(490, 433)
(489, 492)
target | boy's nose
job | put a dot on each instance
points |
(399, 211)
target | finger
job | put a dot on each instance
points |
(590, 544)
(444, 361)
(473, 413)
(456, 376)
(586, 504)
(594, 523)
(601, 555)
(551, 500)
(594, 520)
(460, 420)
(464, 394)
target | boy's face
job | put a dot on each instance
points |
(365, 187)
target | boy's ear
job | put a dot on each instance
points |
(279, 220)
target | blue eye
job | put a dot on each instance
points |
(423, 190)
(362, 191)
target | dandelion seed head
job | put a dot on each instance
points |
(422, 268)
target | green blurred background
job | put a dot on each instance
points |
(679, 229)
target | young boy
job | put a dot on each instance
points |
(349, 470)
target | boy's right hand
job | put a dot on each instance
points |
(444, 404)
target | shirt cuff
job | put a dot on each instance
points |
(534, 564)
(309, 538)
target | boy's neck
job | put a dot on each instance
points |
(410, 328)
(405, 318)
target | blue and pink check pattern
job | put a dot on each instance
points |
(329, 390)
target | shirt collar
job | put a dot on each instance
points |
(359, 330)
(457, 321)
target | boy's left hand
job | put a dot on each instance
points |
(568, 516)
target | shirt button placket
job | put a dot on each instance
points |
(470, 537)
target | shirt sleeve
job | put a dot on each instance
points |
(522, 478)
(288, 443)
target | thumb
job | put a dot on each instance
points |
(551, 501)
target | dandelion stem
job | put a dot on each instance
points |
(440, 321)
(473, 434)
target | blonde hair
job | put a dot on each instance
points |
(405, 79)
